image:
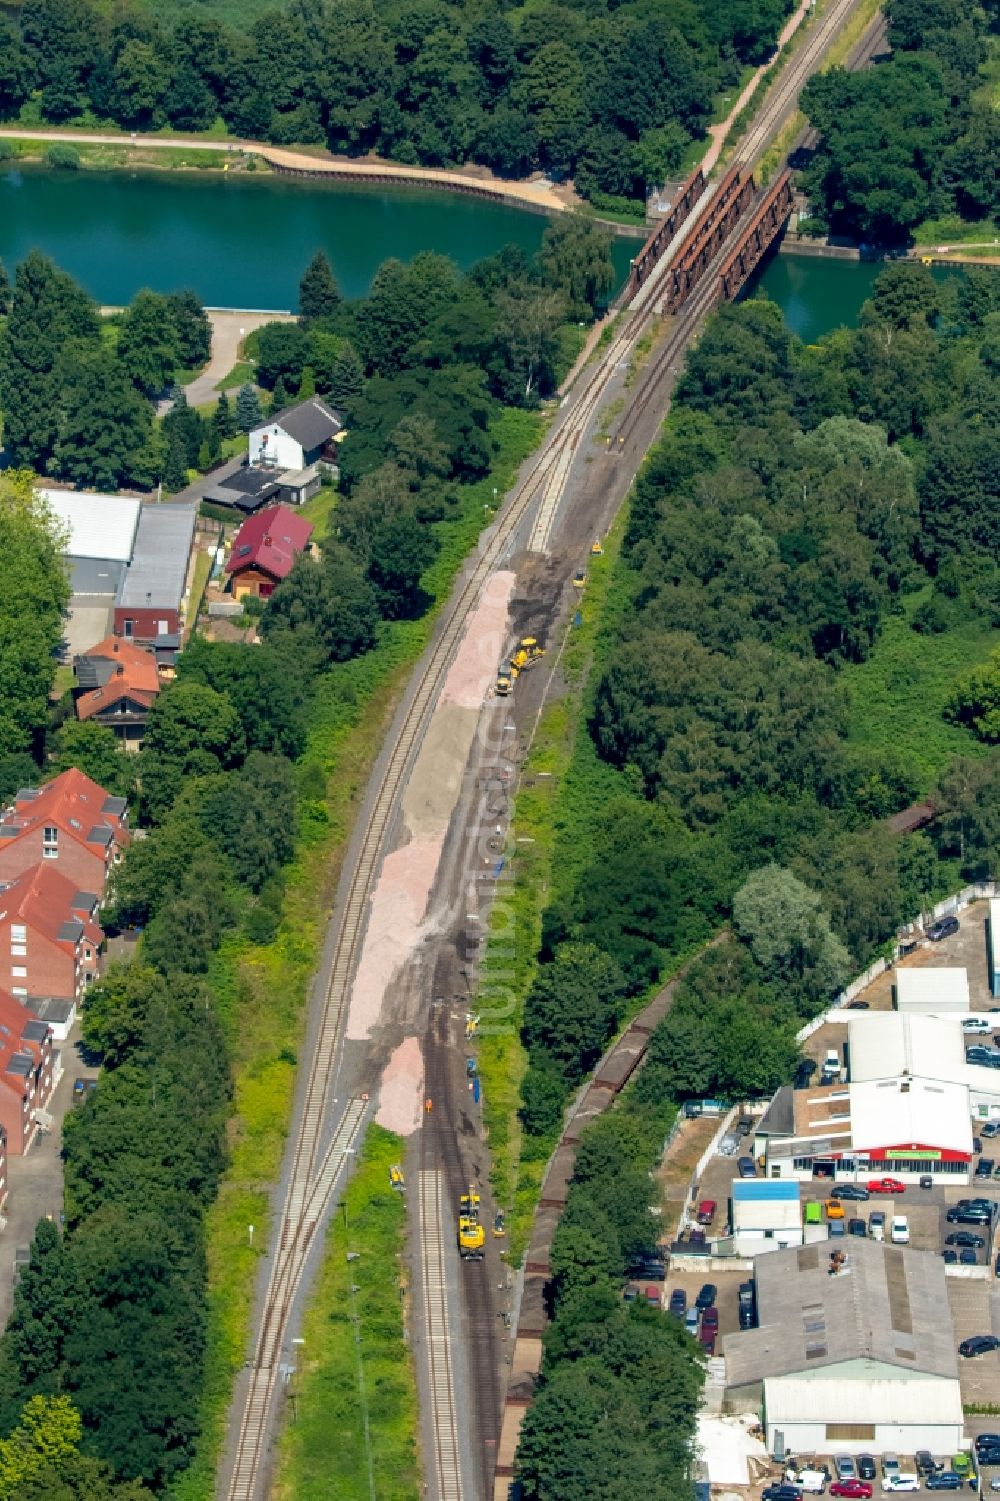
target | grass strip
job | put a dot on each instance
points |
(353, 1400)
(261, 990)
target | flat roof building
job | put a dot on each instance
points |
(766, 1215)
(149, 599)
(100, 536)
(854, 1352)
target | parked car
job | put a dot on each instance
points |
(653, 1296)
(706, 1338)
(858, 1490)
(991, 1128)
(965, 1238)
(876, 1225)
(949, 1257)
(834, 1209)
(977, 1024)
(969, 1214)
(678, 1303)
(691, 1322)
(857, 1227)
(946, 1480)
(901, 1482)
(858, 1006)
(706, 1211)
(925, 1462)
(987, 1441)
(886, 1186)
(926, 1180)
(849, 1191)
(979, 1344)
(899, 1231)
(961, 1464)
(804, 1072)
(967, 1257)
(710, 1318)
(707, 1295)
(977, 1147)
(782, 1492)
(866, 1466)
(844, 1466)
(943, 928)
(984, 1167)
(631, 1292)
(747, 1167)
(747, 1299)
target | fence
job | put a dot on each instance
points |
(981, 891)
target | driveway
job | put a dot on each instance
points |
(228, 330)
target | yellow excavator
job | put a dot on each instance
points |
(526, 654)
(471, 1235)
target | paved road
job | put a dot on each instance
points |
(228, 330)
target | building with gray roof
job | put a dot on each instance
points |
(855, 1352)
(149, 601)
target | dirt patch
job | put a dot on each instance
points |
(398, 907)
(677, 1168)
(402, 1090)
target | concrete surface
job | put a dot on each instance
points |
(89, 621)
(228, 330)
(36, 1179)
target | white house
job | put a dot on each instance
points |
(298, 437)
(854, 1354)
(765, 1215)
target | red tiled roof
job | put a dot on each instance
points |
(135, 676)
(13, 1020)
(43, 898)
(271, 539)
(70, 802)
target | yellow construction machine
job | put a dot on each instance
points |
(525, 655)
(471, 1235)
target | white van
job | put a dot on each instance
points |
(899, 1233)
(813, 1481)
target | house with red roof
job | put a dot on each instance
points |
(27, 1078)
(49, 935)
(116, 685)
(264, 549)
(72, 823)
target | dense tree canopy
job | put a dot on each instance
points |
(905, 140)
(612, 94)
(32, 605)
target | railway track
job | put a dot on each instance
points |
(315, 1170)
(313, 1176)
(437, 1338)
(782, 97)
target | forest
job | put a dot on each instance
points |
(611, 95)
(801, 500)
(914, 138)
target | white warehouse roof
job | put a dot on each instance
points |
(98, 526)
(857, 1389)
(910, 1112)
(891, 1044)
(932, 989)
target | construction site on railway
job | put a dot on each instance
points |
(387, 1037)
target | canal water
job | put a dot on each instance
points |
(244, 241)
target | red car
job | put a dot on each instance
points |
(886, 1186)
(710, 1318)
(706, 1211)
(857, 1490)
